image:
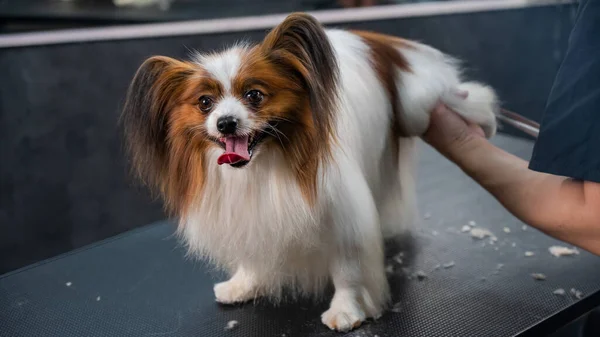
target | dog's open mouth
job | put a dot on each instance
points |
(239, 149)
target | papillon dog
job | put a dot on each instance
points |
(289, 162)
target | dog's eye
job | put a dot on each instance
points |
(205, 103)
(254, 97)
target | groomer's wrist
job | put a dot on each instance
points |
(473, 156)
(462, 147)
(467, 151)
(455, 138)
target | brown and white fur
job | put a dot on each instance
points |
(338, 112)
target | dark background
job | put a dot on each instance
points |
(27, 15)
(63, 177)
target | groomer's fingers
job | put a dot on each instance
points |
(448, 132)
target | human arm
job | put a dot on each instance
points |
(564, 208)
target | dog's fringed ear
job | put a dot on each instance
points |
(301, 45)
(155, 88)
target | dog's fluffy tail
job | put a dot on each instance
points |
(480, 106)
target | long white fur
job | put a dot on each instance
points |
(255, 222)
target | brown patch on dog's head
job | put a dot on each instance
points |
(160, 120)
(296, 68)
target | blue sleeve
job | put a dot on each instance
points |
(569, 140)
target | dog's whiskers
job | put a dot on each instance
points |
(275, 136)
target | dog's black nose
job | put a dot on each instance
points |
(227, 125)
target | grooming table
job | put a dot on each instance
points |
(141, 284)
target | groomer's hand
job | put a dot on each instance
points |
(451, 135)
(561, 207)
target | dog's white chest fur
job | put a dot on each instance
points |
(256, 215)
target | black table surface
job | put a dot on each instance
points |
(141, 284)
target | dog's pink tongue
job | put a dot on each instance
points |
(236, 150)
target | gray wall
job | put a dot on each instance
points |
(63, 178)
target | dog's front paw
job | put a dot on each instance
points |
(344, 318)
(234, 291)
